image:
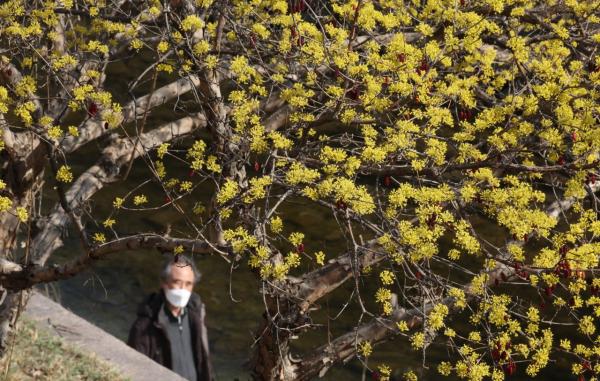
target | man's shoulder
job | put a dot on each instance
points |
(150, 305)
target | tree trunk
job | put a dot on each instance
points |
(21, 169)
(271, 358)
(10, 310)
(11, 302)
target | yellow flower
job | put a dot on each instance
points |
(136, 44)
(140, 199)
(444, 368)
(22, 214)
(162, 46)
(384, 372)
(73, 131)
(587, 325)
(55, 132)
(387, 277)
(185, 186)
(201, 47)
(365, 348)
(64, 174)
(402, 326)
(320, 258)
(296, 238)
(276, 224)
(118, 202)
(108, 223)
(164, 67)
(191, 23)
(227, 192)
(99, 238)
(437, 315)
(410, 376)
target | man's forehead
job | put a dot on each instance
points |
(181, 270)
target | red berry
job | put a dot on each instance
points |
(510, 368)
(423, 67)
(387, 181)
(92, 109)
(300, 248)
(256, 166)
(591, 178)
(495, 355)
(431, 220)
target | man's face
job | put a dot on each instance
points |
(181, 277)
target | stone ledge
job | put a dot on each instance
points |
(54, 318)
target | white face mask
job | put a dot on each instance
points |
(178, 297)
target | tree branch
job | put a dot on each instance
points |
(105, 170)
(93, 128)
(13, 277)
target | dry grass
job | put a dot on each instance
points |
(37, 355)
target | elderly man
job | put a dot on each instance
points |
(170, 324)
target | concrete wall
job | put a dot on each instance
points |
(52, 317)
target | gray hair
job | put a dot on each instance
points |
(180, 261)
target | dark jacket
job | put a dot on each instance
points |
(149, 337)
